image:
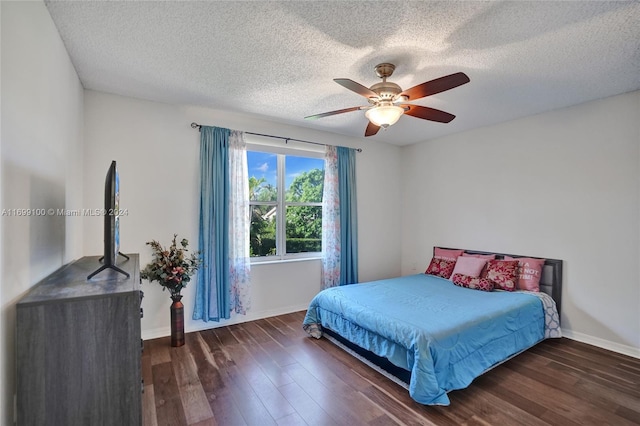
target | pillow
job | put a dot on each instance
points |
(480, 256)
(503, 274)
(475, 283)
(487, 257)
(441, 267)
(447, 254)
(471, 266)
(529, 272)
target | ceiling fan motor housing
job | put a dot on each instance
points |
(386, 90)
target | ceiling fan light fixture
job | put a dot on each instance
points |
(384, 115)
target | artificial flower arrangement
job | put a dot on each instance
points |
(172, 267)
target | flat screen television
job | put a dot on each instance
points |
(111, 214)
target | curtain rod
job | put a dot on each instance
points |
(197, 126)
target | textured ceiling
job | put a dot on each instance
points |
(277, 60)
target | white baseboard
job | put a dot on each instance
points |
(602, 343)
(251, 316)
(155, 333)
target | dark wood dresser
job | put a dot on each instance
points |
(78, 347)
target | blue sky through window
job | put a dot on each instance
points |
(264, 165)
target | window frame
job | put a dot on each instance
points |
(281, 204)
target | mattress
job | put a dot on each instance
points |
(443, 334)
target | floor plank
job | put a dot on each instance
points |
(267, 392)
(168, 405)
(194, 399)
(149, 407)
(224, 409)
(308, 409)
(269, 372)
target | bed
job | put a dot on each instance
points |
(441, 336)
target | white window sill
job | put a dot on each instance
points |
(289, 260)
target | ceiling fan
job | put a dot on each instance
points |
(388, 100)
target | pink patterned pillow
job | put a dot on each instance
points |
(529, 272)
(441, 267)
(503, 274)
(447, 253)
(475, 283)
(471, 266)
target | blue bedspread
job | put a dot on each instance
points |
(444, 334)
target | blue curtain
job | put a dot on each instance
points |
(348, 216)
(212, 293)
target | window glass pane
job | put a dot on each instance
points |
(263, 180)
(304, 229)
(262, 235)
(304, 179)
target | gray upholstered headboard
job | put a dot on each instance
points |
(550, 281)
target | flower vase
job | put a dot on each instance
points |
(177, 321)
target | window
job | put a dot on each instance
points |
(285, 193)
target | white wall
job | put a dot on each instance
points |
(564, 185)
(158, 158)
(41, 163)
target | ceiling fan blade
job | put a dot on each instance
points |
(428, 113)
(436, 86)
(371, 130)
(327, 114)
(356, 87)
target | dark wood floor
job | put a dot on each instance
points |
(269, 372)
